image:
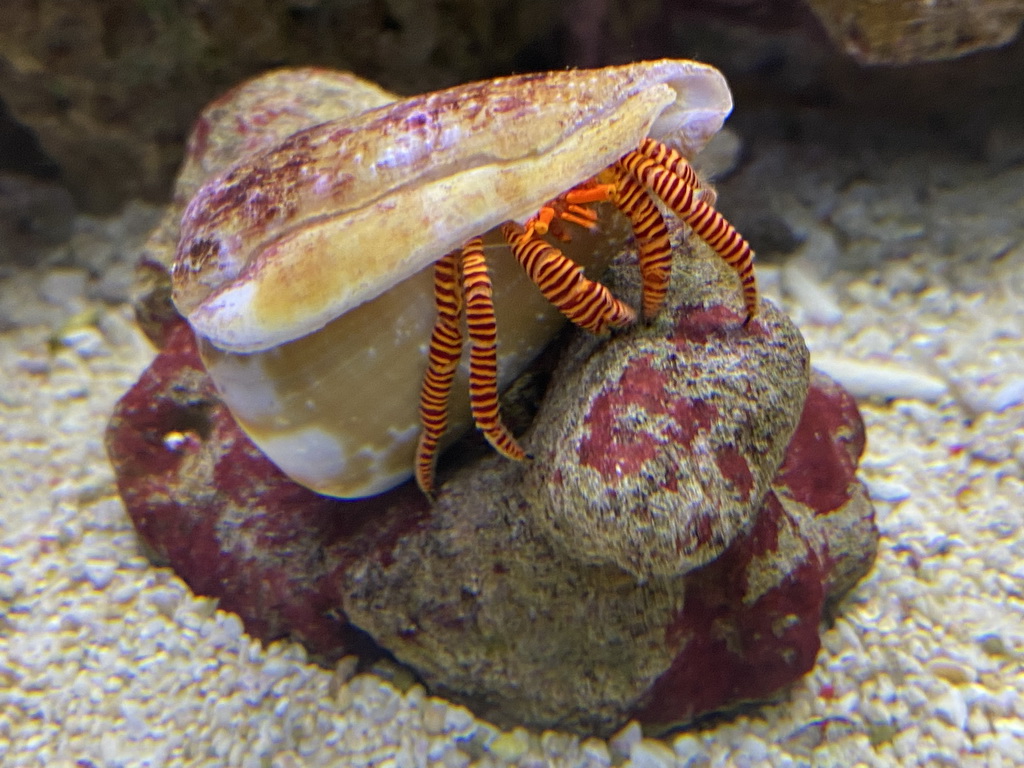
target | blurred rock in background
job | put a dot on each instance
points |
(100, 93)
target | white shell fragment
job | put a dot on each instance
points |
(882, 379)
(816, 299)
(307, 270)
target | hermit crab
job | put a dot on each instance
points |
(332, 279)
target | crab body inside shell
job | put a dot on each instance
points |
(308, 270)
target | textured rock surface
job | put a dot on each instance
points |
(34, 216)
(472, 593)
(904, 31)
(208, 503)
(658, 449)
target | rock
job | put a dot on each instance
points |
(659, 450)
(477, 593)
(814, 538)
(652, 535)
(906, 31)
(106, 90)
(35, 216)
(818, 486)
(206, 502)
(871, 32)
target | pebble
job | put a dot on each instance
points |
(978, 723)
(596, 753)
(648, 753)
(750, 750)
(458, 721)
(509, 747)
(1007, 396)
(622, 743)
(883, 379)
(99, 572)
(434, 713)
(951, 670)
(87, 342)
(816, 299)
(887, 490)
(952, 708)
(11, 587)
(556, 745)
(64, 287)
(687, 746)
(35, 365)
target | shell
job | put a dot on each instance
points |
(251, 117)
(305, 269)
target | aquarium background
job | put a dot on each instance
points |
(875, 163)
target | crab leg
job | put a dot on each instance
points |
(442, 361)
(664, 155)
(483, 358)
(708, 223)
(588, 304)
(617, 185)
(463, 287)
(654, 253)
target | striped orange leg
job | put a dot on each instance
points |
(442, 362)
(618, 186)
(654, 251)
(664, 155)
(483, 357)
(708, 223)
(588, 304)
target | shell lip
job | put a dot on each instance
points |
(703, 102)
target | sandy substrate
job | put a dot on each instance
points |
(108, 661)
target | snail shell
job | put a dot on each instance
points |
(306, 269)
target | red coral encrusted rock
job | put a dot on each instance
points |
(658, 448)
(481, 594)
(208, 503)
